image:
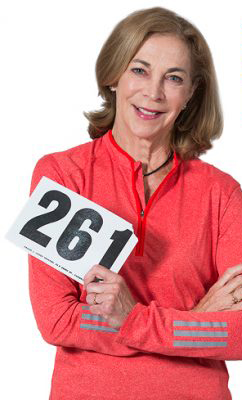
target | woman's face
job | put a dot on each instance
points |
(158, 78)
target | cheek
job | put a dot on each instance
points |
(124, 91)
(176, 96)
(130, 89)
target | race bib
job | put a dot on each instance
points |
(71, 233)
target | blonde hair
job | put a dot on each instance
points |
(202, 120)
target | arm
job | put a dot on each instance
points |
(171, 332)
(59, 303)
(214, 335)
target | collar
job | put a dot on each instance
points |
(120, 155)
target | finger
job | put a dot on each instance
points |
(91, 299)
(230, 273)
(94, 274)
(233, 284)
(100, 272)
(100, 298)
(102, 287)
(236, 307)
(230, 302)
(237, 294)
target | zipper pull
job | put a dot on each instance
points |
(142, 213)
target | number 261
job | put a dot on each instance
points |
(72, 230)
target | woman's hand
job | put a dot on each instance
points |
(110, 298)
(219, 297)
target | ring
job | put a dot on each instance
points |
(94, 299)
(235, 300)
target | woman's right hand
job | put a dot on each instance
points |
(219, 297)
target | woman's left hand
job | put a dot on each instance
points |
(112, 295)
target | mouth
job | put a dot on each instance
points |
(146, 113)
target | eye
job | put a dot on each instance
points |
(175, 78)
(138, 71)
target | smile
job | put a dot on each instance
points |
(145, 114)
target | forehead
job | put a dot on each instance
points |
(165, 49)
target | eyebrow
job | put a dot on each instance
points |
(173, 69)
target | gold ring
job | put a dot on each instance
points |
(235, 300)
(94, 299)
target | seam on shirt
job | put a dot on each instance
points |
(74, 170)
(226, 207)
(58, 167)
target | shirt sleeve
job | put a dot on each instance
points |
(58, 302)
(213, 335)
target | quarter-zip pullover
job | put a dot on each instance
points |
(189, 232)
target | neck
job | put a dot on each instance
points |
(152, 152)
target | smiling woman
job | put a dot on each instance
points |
(155, 95)
(163, 326)
(159, 34)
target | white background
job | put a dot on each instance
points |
(48, 51)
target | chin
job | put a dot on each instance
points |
(144, 132)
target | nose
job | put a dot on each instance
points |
(154, 90)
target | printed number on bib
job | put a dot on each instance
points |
(71, 233)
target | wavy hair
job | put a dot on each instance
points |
(202, 120)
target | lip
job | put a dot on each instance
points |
(145, 116)
(149, 109)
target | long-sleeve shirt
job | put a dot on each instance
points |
(189, 232)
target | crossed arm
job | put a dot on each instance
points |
(169, 331)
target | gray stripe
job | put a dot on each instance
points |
(197, 323)
(201, 333)
(86, 307)
(97, 328)
(93, 317)
(199, 344)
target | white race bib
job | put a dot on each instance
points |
(71, 233)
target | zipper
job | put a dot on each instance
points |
(138, 251)
(142, 214)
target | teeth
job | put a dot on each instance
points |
(146, 112)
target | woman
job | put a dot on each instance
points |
(164, 325)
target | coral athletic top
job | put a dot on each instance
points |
(189, 233)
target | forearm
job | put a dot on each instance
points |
(63, 317)
(214, 335)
